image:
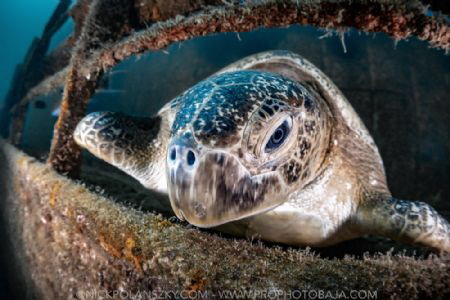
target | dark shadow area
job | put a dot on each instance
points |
(14, 282)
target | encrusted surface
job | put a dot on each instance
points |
(78, 242)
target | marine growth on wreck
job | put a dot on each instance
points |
(231, 150)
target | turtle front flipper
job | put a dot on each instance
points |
(134, 145)
(406, 221)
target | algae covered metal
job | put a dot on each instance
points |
(66, 239)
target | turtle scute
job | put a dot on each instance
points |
(218, 107)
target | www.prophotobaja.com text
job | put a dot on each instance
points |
(227, 294)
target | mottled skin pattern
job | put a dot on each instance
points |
(266, 147)
(129, 143)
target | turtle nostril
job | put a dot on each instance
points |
(190, 158)
(173, 154)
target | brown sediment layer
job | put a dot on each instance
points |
(76, 242)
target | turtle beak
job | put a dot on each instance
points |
(182, 160)
(211, 187)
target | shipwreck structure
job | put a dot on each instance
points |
(68, 242)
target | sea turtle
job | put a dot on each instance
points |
(267, 146)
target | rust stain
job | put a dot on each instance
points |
(163, 224)
(109, 247)
(53, 194)
(130, 243)
(70, 212)
(198, 282)
(155, 13)
(130, 253)
(22, 160)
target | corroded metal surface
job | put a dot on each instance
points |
(77, 244)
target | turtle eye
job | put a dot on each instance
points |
(278, 136)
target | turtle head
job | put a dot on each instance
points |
(241, 142)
